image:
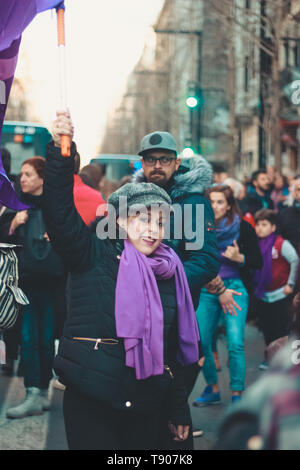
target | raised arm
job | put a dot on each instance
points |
(68, 233)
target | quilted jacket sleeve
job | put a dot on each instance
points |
(68, 233)
(200, 265)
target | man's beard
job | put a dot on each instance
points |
(263, 190)
(162, 181)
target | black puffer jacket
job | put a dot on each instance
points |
(98, 370)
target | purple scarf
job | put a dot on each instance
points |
(263, 276)
(139, 312)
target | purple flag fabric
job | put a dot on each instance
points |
(15, 15)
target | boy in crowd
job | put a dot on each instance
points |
(276, 280)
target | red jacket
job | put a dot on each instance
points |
(87, 200)
(280, 266)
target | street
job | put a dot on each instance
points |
(209, 417)
(46, 432)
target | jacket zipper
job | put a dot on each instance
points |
(109, 341)
(112, 341)
(167, 368)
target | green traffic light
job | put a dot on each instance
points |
(192, 101)
(188, 152)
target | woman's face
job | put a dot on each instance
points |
(219, 204)
(30, 181)
(145, 230)
(278, 181)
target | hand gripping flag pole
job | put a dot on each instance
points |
(65, 139)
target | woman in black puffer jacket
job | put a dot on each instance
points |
(131, 327)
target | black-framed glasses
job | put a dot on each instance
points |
(151, 161)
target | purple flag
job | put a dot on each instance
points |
(15, 15)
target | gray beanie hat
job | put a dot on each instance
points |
(138, 195)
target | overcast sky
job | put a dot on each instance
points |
(105, 39)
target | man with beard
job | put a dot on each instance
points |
(185, 183)
(258, 196)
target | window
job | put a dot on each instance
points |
(246, 74)
(297, 54)
(286, 53)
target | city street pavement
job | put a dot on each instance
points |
(46, 432)
(208, 418)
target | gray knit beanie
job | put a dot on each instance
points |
(138, 195)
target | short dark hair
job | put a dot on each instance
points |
(219, 168)
(266, 214)
(256, 174)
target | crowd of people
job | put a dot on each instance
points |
(136, 316)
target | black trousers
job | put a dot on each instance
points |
(12, 339)
(91, 425)
(274, 318)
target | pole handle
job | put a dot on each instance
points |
(65, 145)
(65, 142)
(61, 37)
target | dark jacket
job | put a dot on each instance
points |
(253, 202)
(187, 187)
(248, 244)
(289, 225)
(99, 371)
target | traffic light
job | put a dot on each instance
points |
(192, 99)
(188, 150)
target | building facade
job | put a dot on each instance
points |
(241, 60)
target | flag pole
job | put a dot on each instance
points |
(65, 139)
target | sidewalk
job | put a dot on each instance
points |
(209, 418)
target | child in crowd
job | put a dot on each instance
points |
(275, 281)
